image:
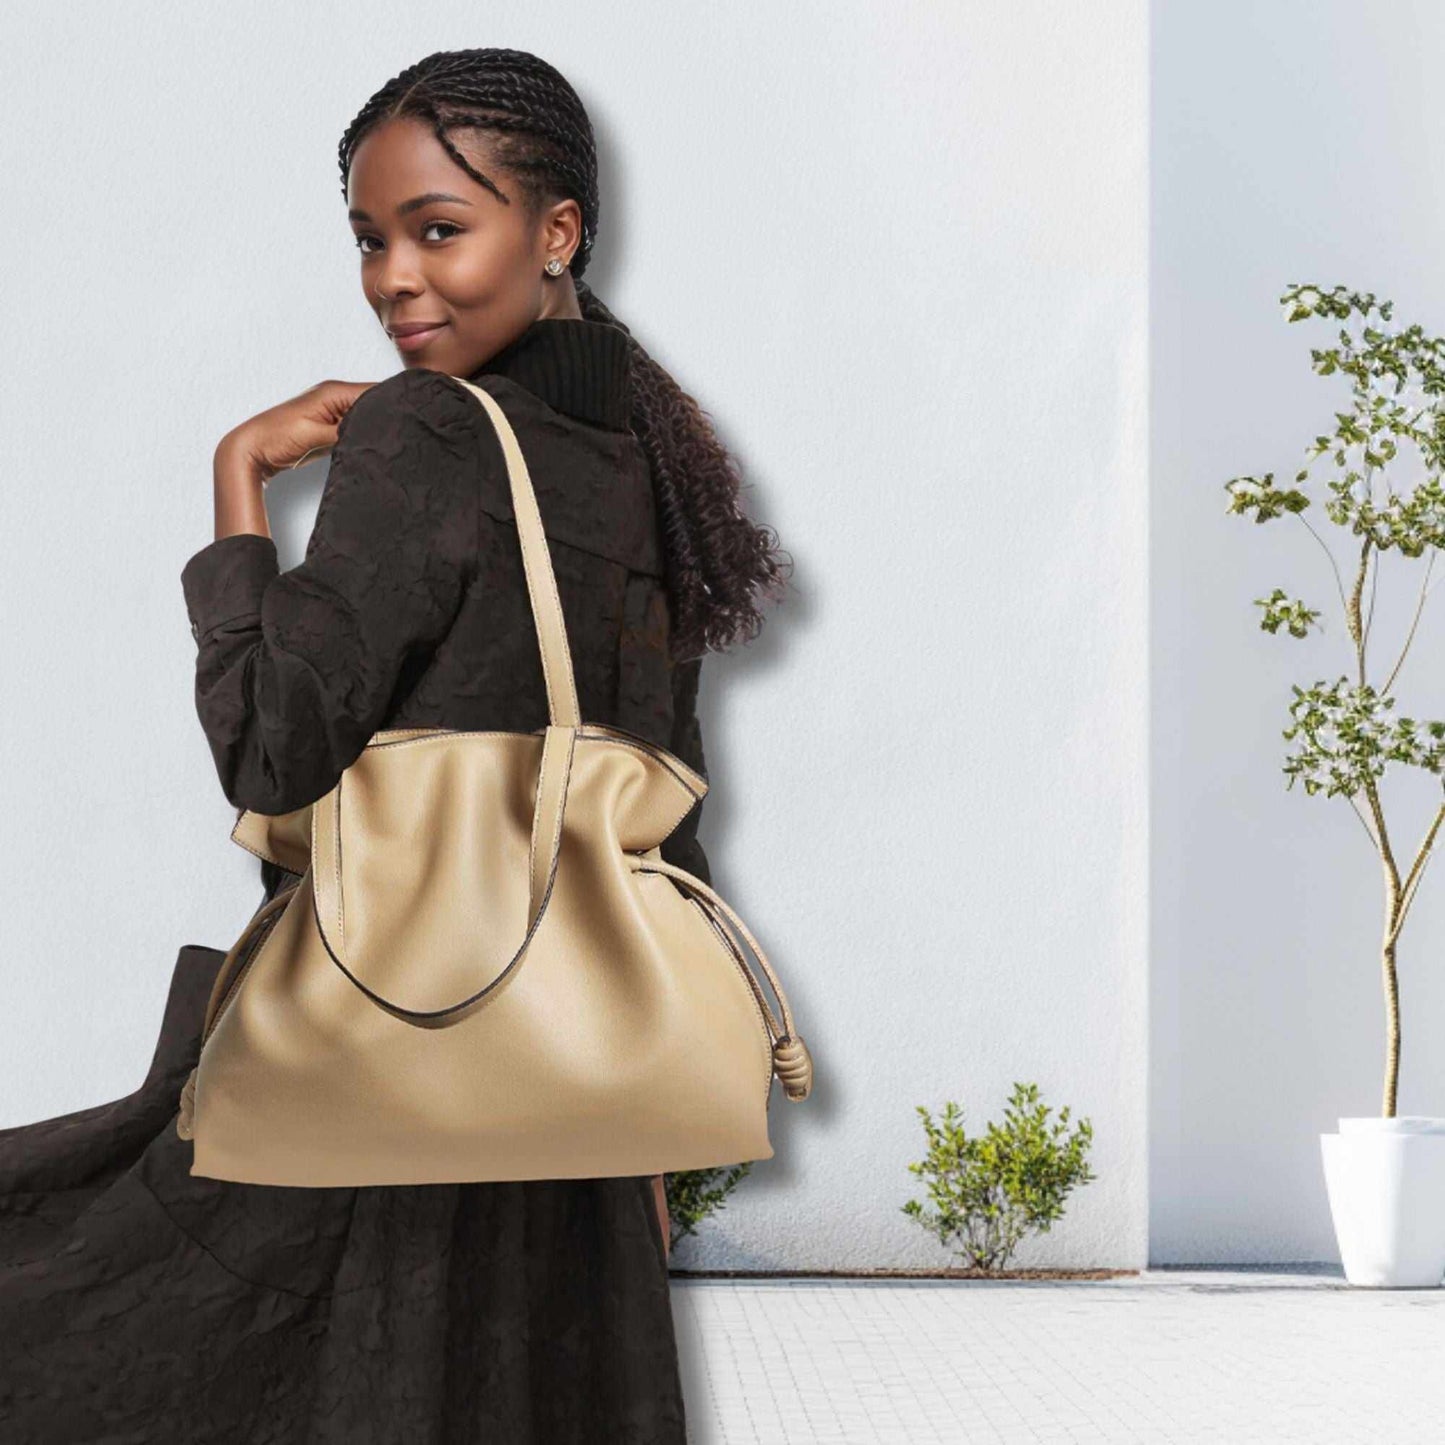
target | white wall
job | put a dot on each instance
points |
(900, 253)
(1291, 142)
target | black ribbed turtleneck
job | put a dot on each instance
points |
(576, 366)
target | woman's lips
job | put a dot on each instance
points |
(415, 340)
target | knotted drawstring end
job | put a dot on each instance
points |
(793, 1065)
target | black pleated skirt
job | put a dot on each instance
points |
(141, 1304)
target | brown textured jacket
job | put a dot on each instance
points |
(410, 606)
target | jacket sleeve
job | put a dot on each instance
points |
(296, 670)
(682, 847)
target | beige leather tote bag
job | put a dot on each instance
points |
(487, 970)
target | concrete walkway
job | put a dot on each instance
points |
(1233, 1356)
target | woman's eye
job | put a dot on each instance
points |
(430, 225)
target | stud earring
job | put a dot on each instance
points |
(556, 266)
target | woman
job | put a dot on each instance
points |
(140, 1303)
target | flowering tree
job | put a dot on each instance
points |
(1346, 733)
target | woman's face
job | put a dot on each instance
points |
(438, 247)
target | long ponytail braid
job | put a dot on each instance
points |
(718, 560)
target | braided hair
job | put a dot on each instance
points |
(716, 556)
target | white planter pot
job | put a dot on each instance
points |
(1386, 1184)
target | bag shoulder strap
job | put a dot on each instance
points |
(546, 606)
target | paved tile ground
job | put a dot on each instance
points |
(1242, 1357)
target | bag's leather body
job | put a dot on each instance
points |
(486, 970)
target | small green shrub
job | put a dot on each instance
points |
(693, 1194)
(988, 1192)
